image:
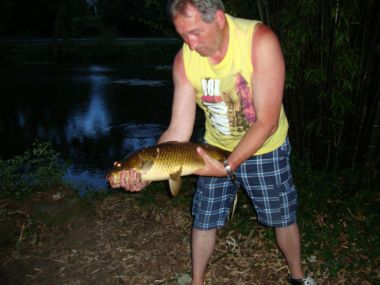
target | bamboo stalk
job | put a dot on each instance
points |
(258, 2)
(369, 94)
(268, 22)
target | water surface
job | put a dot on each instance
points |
(93, 114)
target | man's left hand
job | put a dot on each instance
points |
(212, 166)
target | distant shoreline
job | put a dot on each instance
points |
(155, 50)
(89, 40)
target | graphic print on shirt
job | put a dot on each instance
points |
(229, 107)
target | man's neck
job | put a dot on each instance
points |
(222, 51)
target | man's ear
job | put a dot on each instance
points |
(220, 18)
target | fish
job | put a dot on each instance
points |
(167, 161)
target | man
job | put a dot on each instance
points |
(234, 70)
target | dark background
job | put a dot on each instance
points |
(331, 50)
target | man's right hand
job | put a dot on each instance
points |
(130, 180)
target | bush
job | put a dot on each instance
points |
(38, 168)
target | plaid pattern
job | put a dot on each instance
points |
(268, 182)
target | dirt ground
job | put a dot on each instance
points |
(57, 238)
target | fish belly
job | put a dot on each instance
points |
(157, 173)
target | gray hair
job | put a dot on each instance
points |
(207, 8)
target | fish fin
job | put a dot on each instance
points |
(175, 182)
(146, 166)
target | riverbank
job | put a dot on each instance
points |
(83, 50)
(57, 237)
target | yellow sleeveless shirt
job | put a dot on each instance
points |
(224, 90)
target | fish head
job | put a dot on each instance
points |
(135, 162)
(114, 173)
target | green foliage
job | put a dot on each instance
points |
(142, 16)
(37, 169)
(324, 74)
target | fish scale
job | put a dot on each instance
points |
(170, 159)
(167, 161)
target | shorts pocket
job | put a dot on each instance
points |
(277, 205)
(288, 202)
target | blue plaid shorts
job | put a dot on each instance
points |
(268, 182)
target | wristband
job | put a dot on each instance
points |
(230, 173)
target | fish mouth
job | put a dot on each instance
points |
(112, 177)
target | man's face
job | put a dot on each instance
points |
(204, 38)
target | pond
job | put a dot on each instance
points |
(93, 114)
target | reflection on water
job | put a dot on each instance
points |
(86, 180)
(137, 135)
(92, 120)
(140, 82)
(132, 137)
(93, 114)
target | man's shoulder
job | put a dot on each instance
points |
(263, 35)
(242, 23)
(178, 59)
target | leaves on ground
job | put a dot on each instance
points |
(123, 239)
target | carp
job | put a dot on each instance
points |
(167, 161)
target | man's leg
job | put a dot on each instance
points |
(288, 240)
(203, 242)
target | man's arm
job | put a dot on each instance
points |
(267, 86)
(184, 105)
